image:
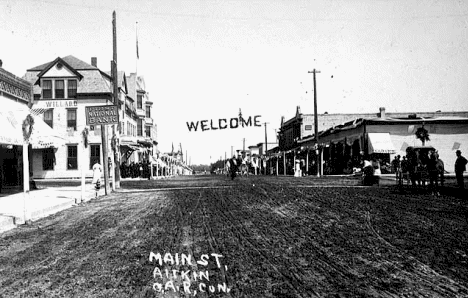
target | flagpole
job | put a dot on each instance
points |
(137, 54)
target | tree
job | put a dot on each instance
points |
(422, 134)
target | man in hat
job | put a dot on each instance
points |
(460, 167)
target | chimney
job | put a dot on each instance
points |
(94, 61)
(382, 112)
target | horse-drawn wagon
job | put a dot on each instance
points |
(423, 165)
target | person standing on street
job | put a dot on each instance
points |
(460, 167)
(233, 167)
(97, 172)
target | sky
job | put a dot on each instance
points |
(206, 60)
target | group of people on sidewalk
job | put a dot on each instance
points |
(414, 167)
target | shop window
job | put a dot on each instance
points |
(72, 157)
(71, 119)
(72, 87)
(48, 159)
(49, 117)
(46, 89)
(59, 89)
(94, 155)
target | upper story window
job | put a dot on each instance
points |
(49, 117)
(139, 101)
(148, 131)
(148, 111)
(56, 88)
(72, 87)
(47, 89)
(71, 119)
(139, 127)
(59, 89)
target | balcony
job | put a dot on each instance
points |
(149, 121)
(141, 113)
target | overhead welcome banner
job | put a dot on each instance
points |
(220, 124)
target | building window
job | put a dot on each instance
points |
(148, 111)
(72, 157)
(49, 117)
(128, 129)
(140, 127)
(139, 101)
(48, 159)
(59, 89)
(95, 155)
(71, 119)
(72, 86)
(148, 131)
(46, 89)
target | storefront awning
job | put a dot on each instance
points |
(159, 162)
(134, 146)
(380, 143)
(11, 132)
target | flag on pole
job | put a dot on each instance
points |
(137, 54)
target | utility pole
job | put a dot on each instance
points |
(266, 145)
(115, 134)
(104, 158)
(243, 147)
(316, 123)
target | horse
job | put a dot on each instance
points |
(440, 171)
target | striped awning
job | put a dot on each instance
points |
(380, 143)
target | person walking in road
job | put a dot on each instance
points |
(97, 172)
(233, 167)
(396, 167)
(460, 167)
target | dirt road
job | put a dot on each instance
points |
(251, 237)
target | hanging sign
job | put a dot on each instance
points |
(102, 115)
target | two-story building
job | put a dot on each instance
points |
(63, 88)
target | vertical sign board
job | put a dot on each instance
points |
(102, 115)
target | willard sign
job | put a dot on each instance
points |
(102, 115)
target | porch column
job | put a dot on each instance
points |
(284, 163)
(26, 195)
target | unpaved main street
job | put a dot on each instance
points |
(251, 237)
